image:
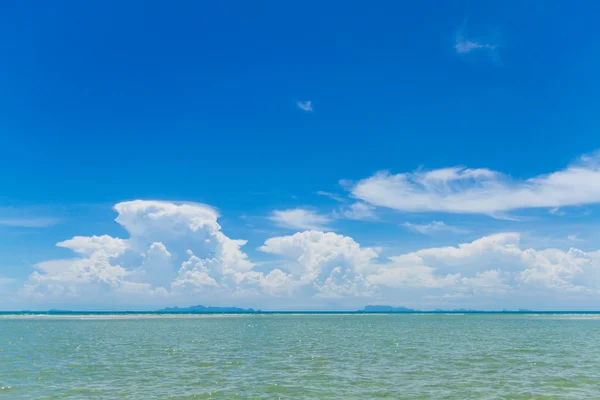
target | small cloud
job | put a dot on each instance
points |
(332, 196)
(39, 222)
(300, 218)
(574, 238)
(5, 281)
(506, 217)
(346, 183)
(450, 296)
(557, 211)
(305, 105)
(465, 45)
(434, 226)
(360, 212)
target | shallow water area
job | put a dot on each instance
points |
(457, 356)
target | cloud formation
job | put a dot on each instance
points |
(173, 249)
(332, 264)
(300, 218)
(433, 227)
(493, 264)
(359, 211)
(481, 191)
(305, 105)
(176, 253)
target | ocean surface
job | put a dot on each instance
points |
(469, 356)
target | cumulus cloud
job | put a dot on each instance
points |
(411, 271)
(178, 253)
(492, 281)
(300, 218)
(481, 191)
(305, 105)
(89, 245)
(432, 227)
(172, 249)
(332, 264)
(490, 266)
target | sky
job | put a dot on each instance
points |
(299, 156)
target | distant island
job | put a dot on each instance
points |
(387, 309)
(206, 310)
(392, 309)
(369, 309)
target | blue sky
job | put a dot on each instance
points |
(277, 119)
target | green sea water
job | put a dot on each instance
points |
(300, 357)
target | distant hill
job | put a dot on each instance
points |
(206, 310)
(391, 309)
(387, 309)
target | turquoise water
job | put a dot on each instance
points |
(301, 356)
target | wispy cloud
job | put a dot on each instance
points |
(359, 211)
(432, 227)
(507, 217)
(305, 105)
(300, 218)
(5, 281)
(34, 222)
(332, 196)
(482, 191)
(465, 45)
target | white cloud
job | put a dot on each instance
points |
(481, 191)
(332, 264)
(410, 271)
(464, 45)
(163, 235)
(502, 244)
(488, 281)
(178, 253)
(305, 105)
(490, 266)
(300, 218)
(5, 281)
(34, 222)
(432, 227)
(332, 196)
(88, 245)
(196, 273)
(573, 270)
(360, 211)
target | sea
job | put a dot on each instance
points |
(300, 356)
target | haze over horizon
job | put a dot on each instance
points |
(299, 156)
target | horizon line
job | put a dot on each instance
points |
(160, 312)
